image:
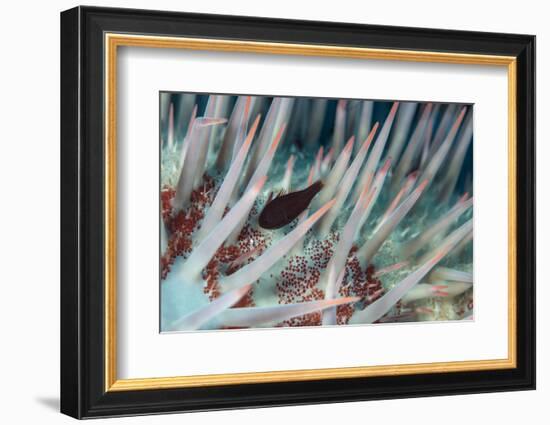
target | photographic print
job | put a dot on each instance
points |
(293, 211)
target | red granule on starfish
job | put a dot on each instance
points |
(298, 283)
(228, 254)
(299, 279)
(211, 275)
(250, 237)
(225, 256)
(357, 283)
(204, 195)
(184, 223)
(177, 245)
(344, 313)
(320, 251)
(311, 319)
(247, 300)
(244, 259)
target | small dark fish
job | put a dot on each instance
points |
(283, 209)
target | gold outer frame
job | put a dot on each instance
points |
(113, 41)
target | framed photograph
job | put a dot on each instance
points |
(261, 212)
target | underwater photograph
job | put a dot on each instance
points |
(294, 211)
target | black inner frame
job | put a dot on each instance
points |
(82, 212)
